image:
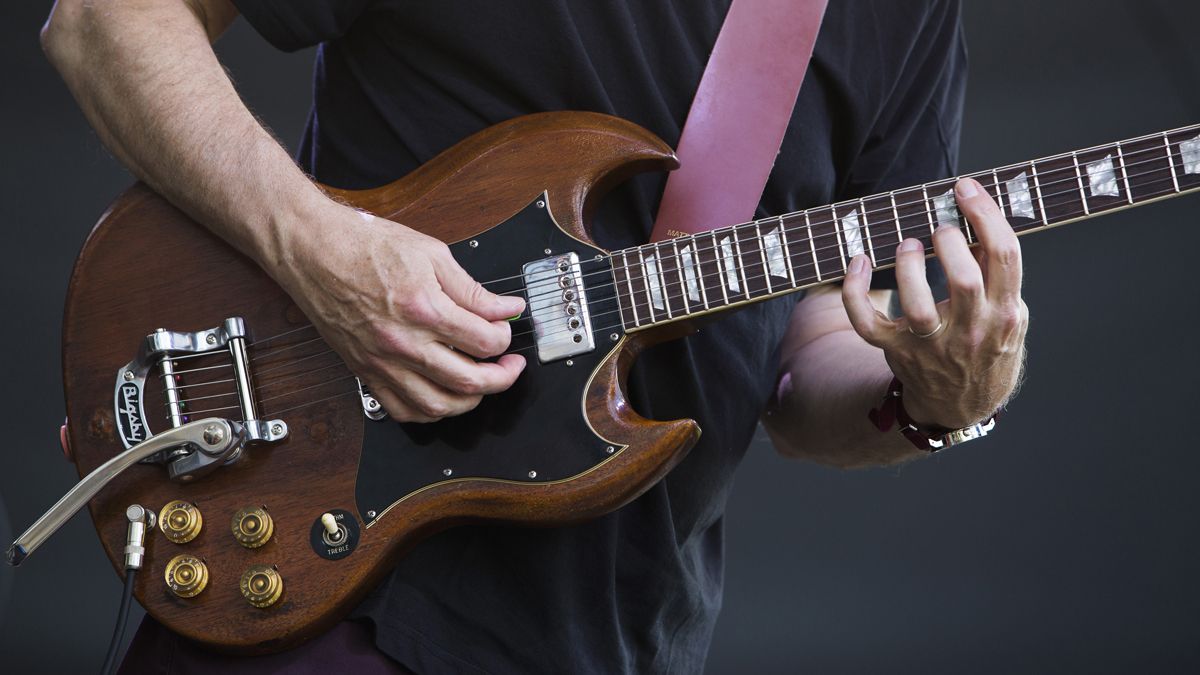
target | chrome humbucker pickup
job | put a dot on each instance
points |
(558, 307)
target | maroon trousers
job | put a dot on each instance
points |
(349, 647)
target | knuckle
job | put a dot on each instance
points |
(1008, 254)
(433, 408)
(467, 383)
(387, 339)
(421, 310)
(969, 284)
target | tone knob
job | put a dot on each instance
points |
(252, 526)
(261, 585)
(186, 575)
(180, 521)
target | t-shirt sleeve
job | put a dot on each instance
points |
(291, 25)
(915, 139)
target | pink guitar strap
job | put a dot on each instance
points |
(740, 113)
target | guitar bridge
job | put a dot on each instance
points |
(558, 307)
(170, 353)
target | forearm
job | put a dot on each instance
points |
(820, 409)
(146, 77)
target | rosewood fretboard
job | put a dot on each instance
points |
(732, 266)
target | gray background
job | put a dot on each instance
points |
(1065, 542)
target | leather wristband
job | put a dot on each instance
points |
(928, 438)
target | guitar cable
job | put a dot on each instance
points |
(140, 519)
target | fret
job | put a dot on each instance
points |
(711, 285)
(943, 204)
(882, 230)
(812, 245)
(762, 253)
(1037, 188)
(794, 233)
(913, 215)
(849, 229)
(678, 266)
(1170, 162)
(828, 241)
(1104, 189)
(653, 275)
(638, 283)
(1149, 169)
(1079, 181)
(738, 262)
(1185, 155)
(866, 228)
(787, 253)
(1018, 198)
(751, 256)
(1059, 194)
(624, 302)
(1124, 174)
(689, 269)
(928, 210)
(721, 275)
(896, 215)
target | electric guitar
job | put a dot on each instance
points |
(197, 389)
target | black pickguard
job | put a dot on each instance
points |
(536, 426)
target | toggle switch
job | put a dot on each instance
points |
(180, 521)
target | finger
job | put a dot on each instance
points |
(963, 275)
(472, 296)
(430, 401)
(461, 374)
(868, 322)
(395, 406)
(466, 331)
(916, 298)
(996, 237)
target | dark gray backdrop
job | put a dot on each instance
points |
(1065, 542)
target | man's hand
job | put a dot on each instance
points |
(402, 313)
(959, 359)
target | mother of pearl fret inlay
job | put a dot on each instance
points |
(774, 248)
(852, 232)
(1102, 180)
(650, 267)
(690, 278)
(1020, 205)
(731, 275)
(947, 209)
(1191, 155)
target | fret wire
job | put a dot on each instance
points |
(740, 264)
(787, 252)
(812, 245)
(928, 209)
(1124, 174)
(617, 292)
(762, 253)
(1171, 162)
(662, 280)
(687, 307)
(646, 283)
(632, 296)
(1079, 178)
(1037, 186)
(867, 228)
(698, 270)
(721, 278)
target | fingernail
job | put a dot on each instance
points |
(912, 245)
(965, 188)
(857, 263)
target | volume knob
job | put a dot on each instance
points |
(252, 526)
(261, 585)
(180, 521)
(186, 575)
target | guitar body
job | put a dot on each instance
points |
(561, 446)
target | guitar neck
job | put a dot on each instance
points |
(732, 266)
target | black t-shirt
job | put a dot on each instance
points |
(398, 81)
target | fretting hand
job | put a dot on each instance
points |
(400, 311)
(959, 359)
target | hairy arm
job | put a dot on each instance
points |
(387, 298)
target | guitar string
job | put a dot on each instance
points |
(1073, 177)
(346, 377)
(635, 305)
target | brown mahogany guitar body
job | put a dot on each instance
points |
(147, 265)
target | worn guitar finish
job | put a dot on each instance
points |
(581, 452)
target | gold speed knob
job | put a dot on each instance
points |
(180, 521)
(261, 585)
(186, 575)
(252, 526)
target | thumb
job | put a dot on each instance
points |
(473, 297)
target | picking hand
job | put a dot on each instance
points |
(959, 359)
(405, 317)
